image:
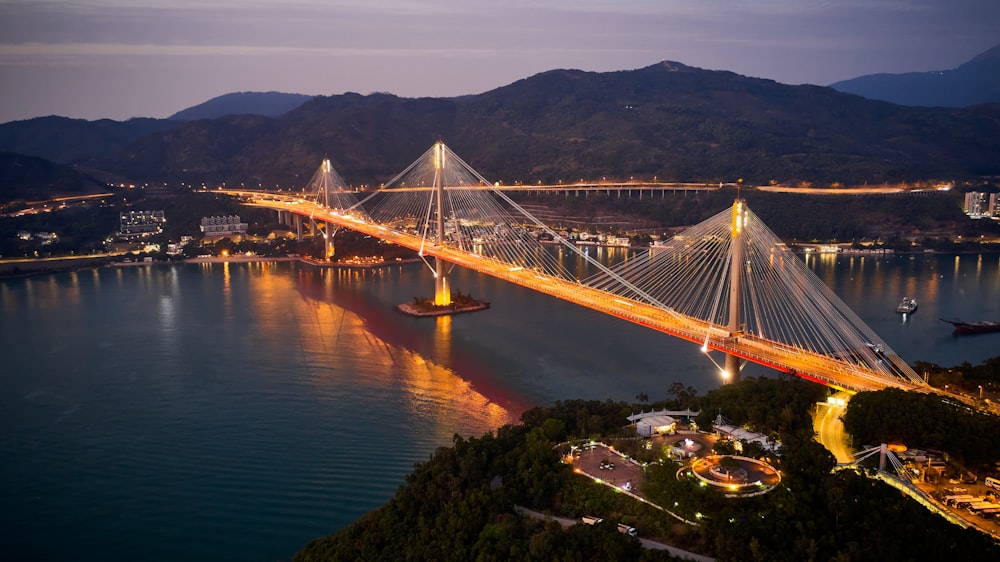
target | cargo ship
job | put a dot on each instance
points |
(980, 327)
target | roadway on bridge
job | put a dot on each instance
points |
(831, 371)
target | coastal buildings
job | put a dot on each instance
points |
(141, 223)
(979, 205)
(223, 226)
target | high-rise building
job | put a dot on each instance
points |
(977, 204)
(141, 223)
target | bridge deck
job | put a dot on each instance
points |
(820, 368)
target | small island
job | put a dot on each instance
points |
(460, 303)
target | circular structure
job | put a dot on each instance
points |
(740, 476)
(728, 474)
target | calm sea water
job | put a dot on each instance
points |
(237, 411)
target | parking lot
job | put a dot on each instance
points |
(987, 522)
(607, 465)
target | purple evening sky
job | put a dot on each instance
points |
(122, 58)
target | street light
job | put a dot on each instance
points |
(980, 392)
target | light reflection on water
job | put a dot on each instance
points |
(239, 410)
(356, 347)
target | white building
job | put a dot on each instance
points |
(654, 423)
(744, 435)
(223, 226)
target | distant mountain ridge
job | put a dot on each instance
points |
(668, 121)
(268, 104)
(28, 177)
(975, 82)
(65, 140)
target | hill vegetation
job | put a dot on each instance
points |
(28, 177)
(667, 121)
(460, 504)
(66, 141)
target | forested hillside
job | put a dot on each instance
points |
(460, 504)
(667, 121)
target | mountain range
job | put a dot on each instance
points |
(975, 82)
(268, 104)
(667, 120)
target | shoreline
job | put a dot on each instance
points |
(29, 267)
(235, 259)
(25, 267)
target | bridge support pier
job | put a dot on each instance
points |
(442, 289)
(328, 233)
(732, 367)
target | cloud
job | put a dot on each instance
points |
(451, 47)
(25, 52)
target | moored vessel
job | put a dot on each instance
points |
(907, 305)
(980, 327)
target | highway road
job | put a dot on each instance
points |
(830, 429)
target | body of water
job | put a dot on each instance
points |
(237, 411)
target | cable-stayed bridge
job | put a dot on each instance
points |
(728, 284)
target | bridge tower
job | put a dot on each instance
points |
(731, 372)
(442, 290)
(327, 168)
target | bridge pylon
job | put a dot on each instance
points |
(326, 169)
(330, 192)
(731, 371)
(442, 289)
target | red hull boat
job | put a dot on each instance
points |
(981, 327)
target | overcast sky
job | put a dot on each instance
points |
(93, 59)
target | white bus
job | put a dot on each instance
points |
(952, 500)
(992, 483)
(978, 506)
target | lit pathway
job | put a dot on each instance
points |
(830, 429)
